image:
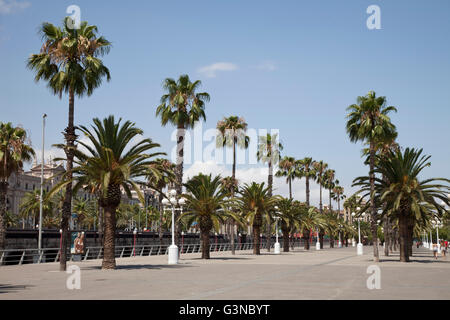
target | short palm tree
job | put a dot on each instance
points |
(256, 205)
(403, 196)
(269, 148)
(206, 204)
(14, 151)
(114, 164)
(30, 205)
(288, 168)
(368, 121)
(232, 133)
(69, 62)
(290, 219)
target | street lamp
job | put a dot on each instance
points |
(340, 242)
(41, 199)
(277, 244)
(182, 241)
(134, 243)
(359, 247)
(215, 234)
(173, 202)
(240, 235)
(317, 240)
(437, 224)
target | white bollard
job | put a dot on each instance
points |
(173, 254)
(359, 249)
(276, 248)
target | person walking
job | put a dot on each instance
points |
(443, 248)
(435, 250)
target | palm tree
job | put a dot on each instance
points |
(181, 106)
(205, 204)
(269, 149)
(114, 164)
(306, 169)
(338, 195)
(368, 121)
(288, 168)
(290, 218)
(329, 183)
(30, 205)
(256, 205)
(310, 219)
(403, 196)
(69, 62)
(14, 151)
(232, 133)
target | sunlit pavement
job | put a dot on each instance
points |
(327, 274)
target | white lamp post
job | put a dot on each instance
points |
(430, 246)
(277, 244)
(340, 242)
(41, 200)
(317, 240)
(437, 224)
(173, 249)
(359, 247)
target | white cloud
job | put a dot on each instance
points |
(210, 71)
(10, 6)
(259, 174)
(266, 66)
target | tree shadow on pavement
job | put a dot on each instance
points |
(5, 288)
(141, 266)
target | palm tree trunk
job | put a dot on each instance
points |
(307, 189)
(3, 204)
(290, 188)
(205, 244)
(70, 138)
(256, 243)
(373, 220)
(269, 227)
(306, 237)
(179, 176)
(285, 231)
(320, 200)
(387, 237)
(403, 230)
(109, 248)
(161, 212)
(233, 176)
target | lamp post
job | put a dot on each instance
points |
(277, 244)
(41, 200)
(340, 242)
(430, 246)
(437, 224)
(359, 247)
(173, 249)
(182, 241)
(134, 242)
(317, 240)
(60, 240)
(215, 234)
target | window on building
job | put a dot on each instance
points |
(26, 186)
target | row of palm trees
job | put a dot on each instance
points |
(393, 192)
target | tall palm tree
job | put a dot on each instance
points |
(269, 148)
(368, 121)
(182, 107)
(69, 62)
(329, 183)
(306, 170)
(288, 168)
(14, 151)
(256, 205)
(206, 204)
(232, 133)
(114, 164)
(338, 195)
(403, 195)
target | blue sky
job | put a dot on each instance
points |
(289, 65)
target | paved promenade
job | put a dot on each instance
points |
(327, 274)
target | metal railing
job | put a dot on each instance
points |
(29, 256)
